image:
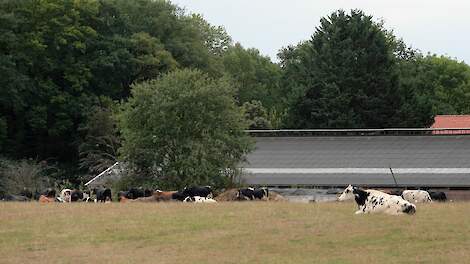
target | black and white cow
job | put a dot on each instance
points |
(204, 191)
(252, 193)
(198, 199)
(416, 196)
(103, 195)
(372, 201)
(80, 196)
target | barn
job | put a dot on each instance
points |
(375, 158)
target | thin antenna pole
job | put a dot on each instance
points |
(393, 175)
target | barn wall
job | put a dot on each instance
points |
(437, 161)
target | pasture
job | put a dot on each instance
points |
(244, 232)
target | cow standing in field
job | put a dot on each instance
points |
(372, 201)
(103, 195)
(416, 196)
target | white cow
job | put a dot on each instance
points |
(65, 196)
(372, 201)
(198, 199)
(416, 196)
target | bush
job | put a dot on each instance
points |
(17, 175)
(183, 129)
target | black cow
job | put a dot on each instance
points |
(135, 193)
(205, 191)
(252, 193)
(438, 196)
(103, 194)
(76, 196)
(27, 193)
(124, 194)
(49, 193)
(180, 196)
(14, 198)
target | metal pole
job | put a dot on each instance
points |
(393, 175)
(99, 175)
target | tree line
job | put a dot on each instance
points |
(85, 83)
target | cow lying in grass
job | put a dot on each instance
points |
(201, 191)
(416, 196)
(253, 194)
(198, 199)
(438, 196)
(372, 201)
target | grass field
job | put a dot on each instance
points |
(247, 232)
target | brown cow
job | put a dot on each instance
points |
(164, 196)
(45, 199)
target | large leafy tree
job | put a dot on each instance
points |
(416, 107)
(58, 58)
(446, 82)
(348, 75)
(183, 128)
(255, 76)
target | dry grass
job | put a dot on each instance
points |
(248, 232)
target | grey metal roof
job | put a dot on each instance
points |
(334, 161)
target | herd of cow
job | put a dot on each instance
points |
(196, 194)
(367, 200)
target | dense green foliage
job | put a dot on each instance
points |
(183, 128)
(256, 115)
(58, 57)
(101, 141)
(254, 75)
(66, 65)
(349, 77)
(353, 73)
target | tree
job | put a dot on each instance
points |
(416, 107)
(216, 39)
(59, 57)
(256, 115)
(3, 132)
(446, 82)
(183, 128)
(254, 75)
(348, 73)
(101, 141)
